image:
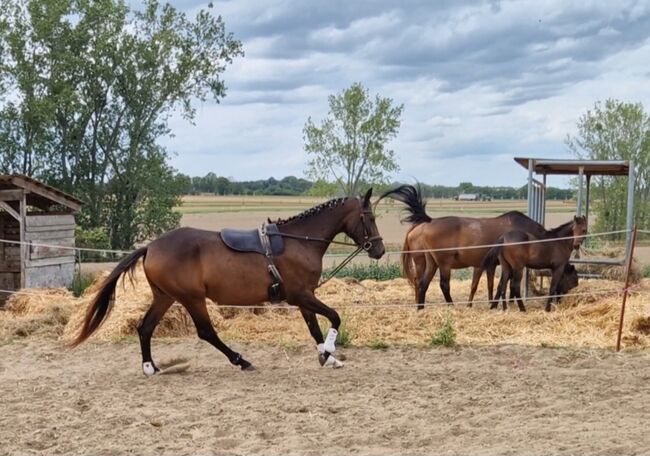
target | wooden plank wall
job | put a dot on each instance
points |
(49, 266)
(9, 254)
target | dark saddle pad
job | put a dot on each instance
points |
(249, 240)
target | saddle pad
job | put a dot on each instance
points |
(249, 240)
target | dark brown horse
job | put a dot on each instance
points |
(189, 265)
(551, 254)
(451, 234)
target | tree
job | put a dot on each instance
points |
(349, 146)
(616, 131)
(94, 84)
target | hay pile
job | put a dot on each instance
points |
(588, 320)
(45, 313)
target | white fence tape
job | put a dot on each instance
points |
(394, 252)
(398, 305)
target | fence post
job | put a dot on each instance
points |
(625, 290)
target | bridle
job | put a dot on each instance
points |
(365, 245)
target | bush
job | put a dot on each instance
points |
(446, 334)
(80, 283)
(373, 271)
(378, 344)
(93, 238)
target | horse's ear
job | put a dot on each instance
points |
(366, 198)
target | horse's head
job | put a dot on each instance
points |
(569, 279)
(361, 227)
(579, 230)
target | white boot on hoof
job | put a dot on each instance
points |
(148, 369)
(333, 362)
(330, 340)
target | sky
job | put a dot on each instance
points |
(481, 81)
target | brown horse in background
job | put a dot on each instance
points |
(189, 265)
(450, 233)
(519, 250)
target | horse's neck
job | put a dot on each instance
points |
(563, 231)
(324, 225)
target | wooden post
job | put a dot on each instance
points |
(24, 251)
(630, 256)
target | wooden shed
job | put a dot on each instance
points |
(41, 218)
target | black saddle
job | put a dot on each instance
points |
(249, 240)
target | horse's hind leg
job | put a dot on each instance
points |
(161, 302)
(445, 276)
(515, 287)
(425, 278)
(204, 329)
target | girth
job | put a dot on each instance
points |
(265, 240)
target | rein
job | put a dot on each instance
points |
(367, 245)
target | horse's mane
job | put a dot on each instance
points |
(415, 204)
(313, 211)
(558, 229)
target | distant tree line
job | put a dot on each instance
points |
(219, 185)
(291, 185)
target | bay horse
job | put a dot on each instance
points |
(189, 265)
(551, 254)
(449, 233)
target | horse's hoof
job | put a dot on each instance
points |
(248, 368)
(332, 362)
(149, 369)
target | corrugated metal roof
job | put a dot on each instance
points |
(572, 167)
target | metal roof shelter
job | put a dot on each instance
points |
(584, 169)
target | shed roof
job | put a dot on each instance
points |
(590, 167)
(39, 194)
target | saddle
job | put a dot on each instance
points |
(251, 240)
(265, 240)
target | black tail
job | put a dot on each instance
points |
(415, 204)
(102, 304)
(491, 259)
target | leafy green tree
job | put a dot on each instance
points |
(349, 146)
(94, 84)
(616, 130)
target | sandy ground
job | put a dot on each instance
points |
(490, 400)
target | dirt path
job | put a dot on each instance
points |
(492, 400)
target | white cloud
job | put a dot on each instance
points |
(480, 82)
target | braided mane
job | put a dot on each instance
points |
(313, 211)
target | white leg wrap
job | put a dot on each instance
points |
(333, 362)
(148, 369)
(330, 340)
(320, 348)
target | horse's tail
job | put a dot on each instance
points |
(491, 258)
(102, 303)
(407, 264)
(415, 204)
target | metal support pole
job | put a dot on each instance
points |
(630, 205)
(587, 198)
(530, 185)
(530, 191)
(580, 174)
(543, 219)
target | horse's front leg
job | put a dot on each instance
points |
(309, 306)
(553, 290)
